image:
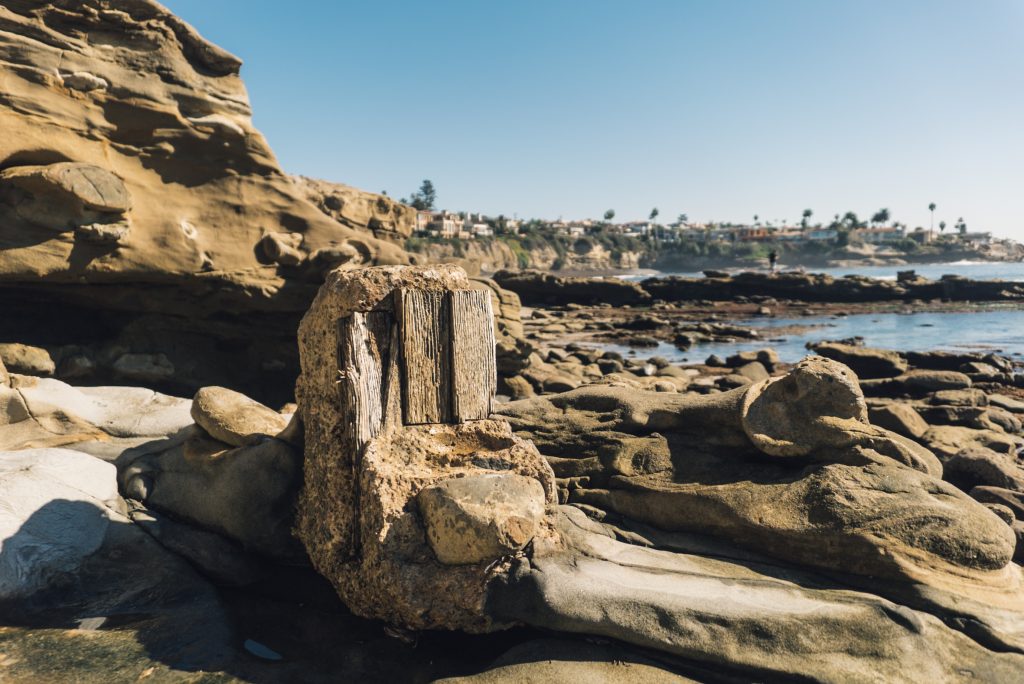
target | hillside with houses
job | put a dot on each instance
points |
(594, 245)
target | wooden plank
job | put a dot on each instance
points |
(364, 341)
(474, 373)
(426, 356)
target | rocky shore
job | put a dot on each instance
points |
(244, 437)
(534, 287)
(872, 497)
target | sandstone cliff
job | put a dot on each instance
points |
(141, 209)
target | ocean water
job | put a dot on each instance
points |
(997, 331)
(977, 270)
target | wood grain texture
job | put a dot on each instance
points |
(364, 342)
(474, 375)
(426, 352)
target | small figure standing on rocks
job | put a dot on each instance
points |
(773, 257)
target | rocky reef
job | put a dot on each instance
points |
(537, 288)
(459, 489)
(814, 523)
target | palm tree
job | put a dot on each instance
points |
(942, 226)
(931, 208)
(682, 219)
(880, 216)
(806, 215)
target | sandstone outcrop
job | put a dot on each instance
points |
(141, 208)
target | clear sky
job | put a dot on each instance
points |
(721, 109)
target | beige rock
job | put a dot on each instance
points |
(27, 360)
(899, 418)
(866, 362)
(481, 517)
(233, 418)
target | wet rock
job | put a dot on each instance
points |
(769, 358)
(481, 517)
(233, 418)
(715, 361)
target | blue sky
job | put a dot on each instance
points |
(721, 109)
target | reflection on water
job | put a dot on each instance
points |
(1000, 331)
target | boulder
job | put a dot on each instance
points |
(481, 517)
(980, 467)
(866, 362)
(948, 440)
(934, 381)
(711, 613)
(246, 494)
(768, 358)
(27, 360)
(233, 418)
(960, 397)
(898, 417)
(1014, 500)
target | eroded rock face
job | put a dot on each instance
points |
(844, 495)
(142, 208)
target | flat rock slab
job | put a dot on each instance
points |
(54, 513)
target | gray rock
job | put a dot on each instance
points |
(56, 507)
(735, 618)
(481, 517)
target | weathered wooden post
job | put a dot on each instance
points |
(398, 377)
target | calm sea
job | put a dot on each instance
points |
(978, 270)
(1001, 331)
